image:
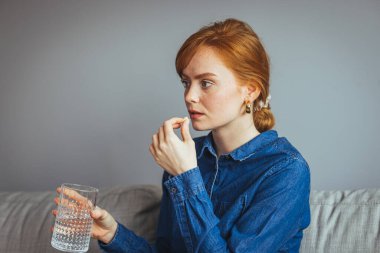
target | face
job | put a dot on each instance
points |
(212, 89)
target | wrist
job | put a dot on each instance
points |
(108, 237)
(187, 168)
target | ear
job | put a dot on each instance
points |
(251, 91)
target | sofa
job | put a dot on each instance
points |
(342, 221)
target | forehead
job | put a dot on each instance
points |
(205, 60)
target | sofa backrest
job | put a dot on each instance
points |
(25, 217)
(342, 221)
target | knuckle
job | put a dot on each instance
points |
(167, 122)
(162, 146)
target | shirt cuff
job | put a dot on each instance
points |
(185, 185)
(115, 244)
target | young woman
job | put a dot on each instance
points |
(241, 188)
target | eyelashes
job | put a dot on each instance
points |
(204, 84)
(184, 83)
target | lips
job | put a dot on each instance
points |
(195, 114)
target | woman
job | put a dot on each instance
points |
(241, 188)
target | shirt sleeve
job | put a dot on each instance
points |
(273, 216)
(126, 240)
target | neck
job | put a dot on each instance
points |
(228, 138)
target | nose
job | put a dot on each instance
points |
(192, 94)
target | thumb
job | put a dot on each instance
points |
(185, 132)
(97, 213)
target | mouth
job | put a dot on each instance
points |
(195, 115)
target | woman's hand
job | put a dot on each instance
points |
(104, 225)
(175, 156)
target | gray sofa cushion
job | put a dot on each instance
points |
(343, 222)
(25, 217)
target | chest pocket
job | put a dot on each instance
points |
(229, 213)
(231, 208)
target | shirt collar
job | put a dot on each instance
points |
(244, 151)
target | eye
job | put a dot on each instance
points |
(206, 84)
(184, 83)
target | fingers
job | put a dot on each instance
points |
(185, 132)
(64, 202)
(152, 150)
(98, 213)
(72, 194)
(154, 145)
(165, 130)
(56, 201)
(171, 123)
(178, 124)
(74, 203)
(161, 135)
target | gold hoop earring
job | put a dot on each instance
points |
(248, 107)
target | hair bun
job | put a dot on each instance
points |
(264, 120)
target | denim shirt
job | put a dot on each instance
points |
(253, 199)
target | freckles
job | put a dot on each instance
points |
(228, 102)
(219, 106)
(213, 103)
(221, 102)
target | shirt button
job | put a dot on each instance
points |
(174, 190)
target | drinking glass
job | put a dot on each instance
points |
(73, 223)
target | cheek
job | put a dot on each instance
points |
(215, 103)
(226, 102)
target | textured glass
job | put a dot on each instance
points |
(73, 223)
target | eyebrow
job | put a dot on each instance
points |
(199, 76)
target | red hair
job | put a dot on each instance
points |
(242, 52)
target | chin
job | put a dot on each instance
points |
(199, 127)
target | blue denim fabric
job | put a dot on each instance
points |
(254, 199)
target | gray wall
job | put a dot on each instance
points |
(84, 84)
